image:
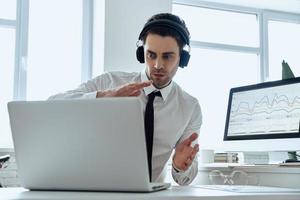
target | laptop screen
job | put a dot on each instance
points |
(265, 110)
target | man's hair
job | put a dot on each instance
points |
(166, 31)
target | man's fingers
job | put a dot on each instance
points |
(196, 147)
(132, 89)
(146, 83)
(135, 93)
(185, 156)
(190, 139)
(195, 151)
(188, 162)
(138, 86)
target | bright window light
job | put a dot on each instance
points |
(209, 77)
(208, 25)
(7, 58)
(8, 9)
(284, 44)
(211, 72)
(54, 47)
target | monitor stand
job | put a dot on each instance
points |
(292, 157)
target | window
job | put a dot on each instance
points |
(206, 25)
(7, 64)
(224, 54)
(8, 9)
(284, 44)
(7, 55)
(46, 47)
(233, 46)
(54, 47)
(209, 80)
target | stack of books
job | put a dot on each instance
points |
(226, 158)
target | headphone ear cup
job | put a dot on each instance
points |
(184, 58)
(140, 54)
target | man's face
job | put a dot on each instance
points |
(161, 58)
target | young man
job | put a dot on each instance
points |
(177, 115)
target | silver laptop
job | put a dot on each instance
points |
(81, 145)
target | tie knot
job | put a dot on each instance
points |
(154, 94)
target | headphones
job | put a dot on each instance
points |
(184, 35)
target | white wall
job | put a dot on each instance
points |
(124, 19)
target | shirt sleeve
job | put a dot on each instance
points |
(187, 176)
(86, 90)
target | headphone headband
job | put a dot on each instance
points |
(167, 23)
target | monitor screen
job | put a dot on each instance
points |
(269, 110)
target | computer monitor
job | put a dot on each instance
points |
(264, 117)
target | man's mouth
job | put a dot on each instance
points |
(158, 75)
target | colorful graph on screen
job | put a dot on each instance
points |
(274, 110)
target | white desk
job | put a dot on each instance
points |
(267, 175)
(176, 192)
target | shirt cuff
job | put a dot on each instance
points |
(176, 169)
(185, 177)
(179, 171)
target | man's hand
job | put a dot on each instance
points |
(128, 90)
(185, 154)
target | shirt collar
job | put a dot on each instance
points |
(164, 91)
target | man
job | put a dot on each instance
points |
(177, 115)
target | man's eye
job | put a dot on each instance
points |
(151, 55)
(167, 57)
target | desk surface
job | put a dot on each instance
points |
(175, 192)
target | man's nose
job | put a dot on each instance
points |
(158, 64)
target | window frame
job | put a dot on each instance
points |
(21, 25)
(20, 72)
(21, 50)
(15, 24)
(269, 15)
(263, 16)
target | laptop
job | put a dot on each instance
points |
(93, 145)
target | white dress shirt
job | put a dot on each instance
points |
(176, 116)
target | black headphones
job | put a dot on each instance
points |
(184, 55)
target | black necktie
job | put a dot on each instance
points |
(149, 128)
